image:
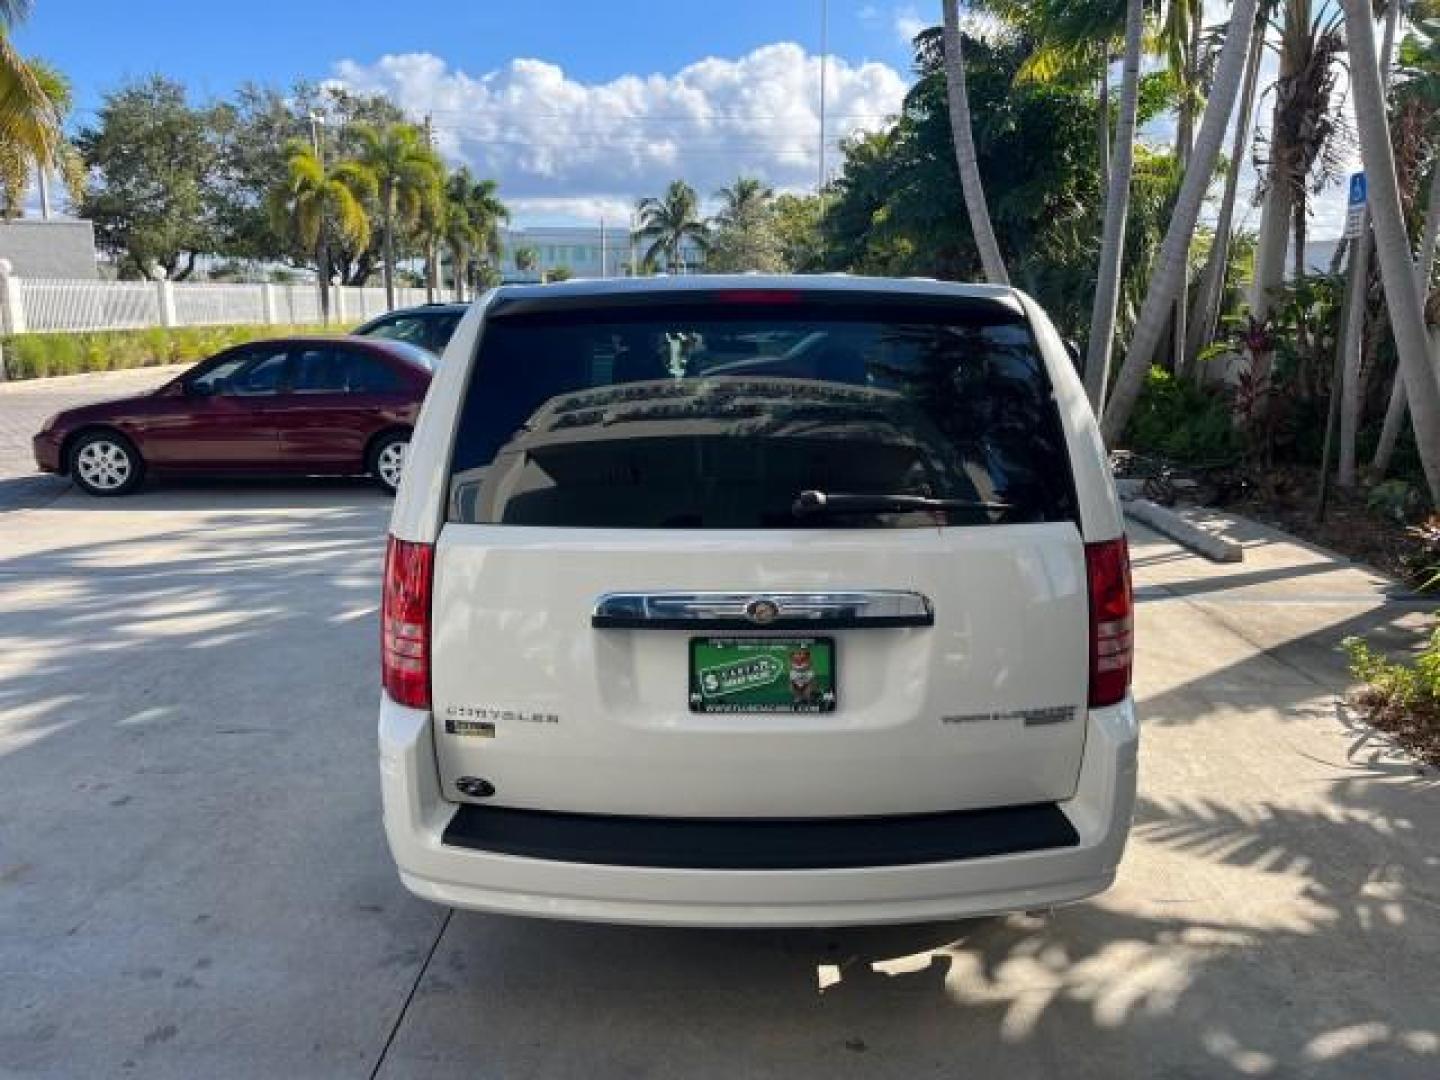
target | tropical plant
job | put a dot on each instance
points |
(971, 185)
(668, 223)
(18, 161)
(1117, 209)
(1407, 317)
(743, 235)
(316, 201)
(1172, 263)
(1208, 302)
(795, 220)
(473, 213)
(526, 259)
(409, 177)
(1305, 136)
(1419, 84)
(30, 116)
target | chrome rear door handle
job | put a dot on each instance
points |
(832, 610)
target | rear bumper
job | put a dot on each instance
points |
(416, 817)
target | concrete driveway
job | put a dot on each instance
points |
(193, 880)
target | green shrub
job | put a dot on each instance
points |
(38, 356)
(1403, 699)
(1176, 419)
(1408, 686)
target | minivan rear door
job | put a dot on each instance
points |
(793, 554)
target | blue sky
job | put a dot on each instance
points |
(575, 107)
(214, 46)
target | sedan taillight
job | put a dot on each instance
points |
(405, 623)
(1112, 640)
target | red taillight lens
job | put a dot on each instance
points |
(405, 623)
(1112, 616)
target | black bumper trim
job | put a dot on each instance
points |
(760, 843)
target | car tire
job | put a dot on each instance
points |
(387, 459)
(106, 464)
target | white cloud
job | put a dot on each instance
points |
(908, 23)
(565, 149)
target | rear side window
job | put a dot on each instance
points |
(341, 371)
(735, 415)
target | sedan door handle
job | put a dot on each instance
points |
(846, 609)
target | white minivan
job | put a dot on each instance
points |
(756, 601)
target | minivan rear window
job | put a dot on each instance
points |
(759, 415)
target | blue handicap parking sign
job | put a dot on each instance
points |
(1357, 189)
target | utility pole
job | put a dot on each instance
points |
(824, 65)
(604, 251)
(322, 260)
(820, 177)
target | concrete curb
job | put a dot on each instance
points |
(1183, 532)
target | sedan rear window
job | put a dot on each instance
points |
(759, 415)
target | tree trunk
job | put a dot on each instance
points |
(1170, 263)
(1185, 137)
(1212, 287)
(1395, 411)
(1357, 294)
(322, 277)
(1407, 315)
(1277, 211)
(1102, 119)
(1117, 208)
(970, 184)
(390, 247)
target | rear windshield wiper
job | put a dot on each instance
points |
(835, 502)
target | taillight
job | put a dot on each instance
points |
(1112, 615)
(405, 623)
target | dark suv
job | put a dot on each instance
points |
(428, 326)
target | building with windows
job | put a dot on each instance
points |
(586, 251)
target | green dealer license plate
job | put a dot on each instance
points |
(779, 675)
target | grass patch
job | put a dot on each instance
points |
(38, 356)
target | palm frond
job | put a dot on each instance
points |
(29, 118)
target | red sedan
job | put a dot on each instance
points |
(306, 405)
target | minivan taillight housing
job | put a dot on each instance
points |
(405, 623)
(1112, 621)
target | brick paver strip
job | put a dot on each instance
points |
(24, 406)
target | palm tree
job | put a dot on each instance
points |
(526, 259)
(1171, 264)
(1357, 297)
(472, 223)
(743, 202)
(1117, 209)
(1212, 284)
(1425, 261)
(1421, 68)
(18, 162)
(408, 173)
(1392, 245)
(971, 185)
(314, 201)
(29, 118)
(743, 233)
(1301, 130)
(668, 222)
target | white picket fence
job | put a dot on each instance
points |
(37, 306)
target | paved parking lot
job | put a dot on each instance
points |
(193, 879)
